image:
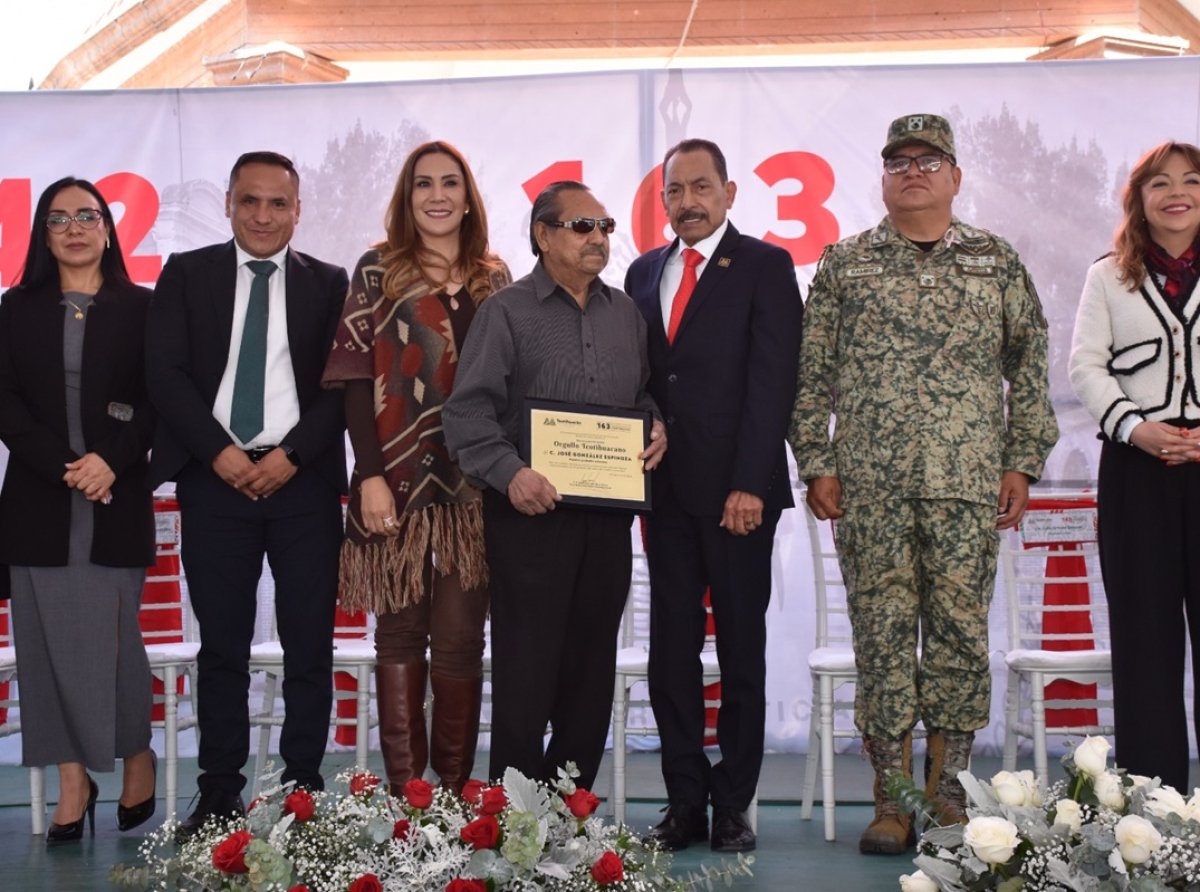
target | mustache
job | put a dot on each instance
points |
(594, 249)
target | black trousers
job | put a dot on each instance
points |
(1149, 518)
(686, 555)
(224, 539)
(559, 582)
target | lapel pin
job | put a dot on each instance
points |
(725, 262)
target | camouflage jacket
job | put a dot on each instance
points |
(909, 352)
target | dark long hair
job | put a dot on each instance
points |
(40, 266)
(403, 252)
(1133, 234)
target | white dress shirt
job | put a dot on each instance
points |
(673, 270)
(281, 405)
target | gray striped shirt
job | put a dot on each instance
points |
(531, 339)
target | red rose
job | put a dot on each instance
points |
(492, 801)
(472, 790)
(582, 802)
(368, 882)
(463, 885)
(299, 803)
(401, 829)
(419, 793)
(300, 888)
(608, 870)
(363, 783)
(230, 853)
(482, 833)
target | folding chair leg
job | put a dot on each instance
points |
(264, 733)
(37, 799)
(171, 737)
(1038, 708)
(620, 710)
(1011, 717)
(811, 763)
(363, 717)
(828, 804)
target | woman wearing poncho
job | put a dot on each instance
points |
(414, 552)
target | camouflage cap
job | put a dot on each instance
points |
(932, 130)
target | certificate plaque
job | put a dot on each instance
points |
(589, 453)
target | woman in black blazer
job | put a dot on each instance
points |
(76, 516)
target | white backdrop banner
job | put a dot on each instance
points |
(1044, 150)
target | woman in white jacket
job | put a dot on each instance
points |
(1135, 365)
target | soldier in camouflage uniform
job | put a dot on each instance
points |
(912, 329)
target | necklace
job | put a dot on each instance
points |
(78, 309)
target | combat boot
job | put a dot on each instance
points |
(949, 752)
(891, 832)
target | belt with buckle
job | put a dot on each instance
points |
(258, 453)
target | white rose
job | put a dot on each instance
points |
(1033, 794)
(1008, 789)
(1067, 812)
(1193, 806)
(1140, 780)
(1137, 839)
(1108, 790)
(1166, 801)
(1091, 756)
(917, 882)
(993, 840)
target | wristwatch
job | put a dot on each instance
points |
(291, 454)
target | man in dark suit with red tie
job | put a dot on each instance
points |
(724, 316)
(237, 339)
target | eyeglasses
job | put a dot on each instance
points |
(584, 225)
(88, 219)
(901, 164)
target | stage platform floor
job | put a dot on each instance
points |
(792, 854)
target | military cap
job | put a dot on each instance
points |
(932, 130)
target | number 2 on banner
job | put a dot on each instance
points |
(138, 200)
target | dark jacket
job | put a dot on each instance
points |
(118, 425)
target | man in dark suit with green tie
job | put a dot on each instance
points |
(237, 339)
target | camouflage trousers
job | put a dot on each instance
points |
(919, 567)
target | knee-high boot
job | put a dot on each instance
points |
(400, 690)
(455, 729)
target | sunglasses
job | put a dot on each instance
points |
(584, 225)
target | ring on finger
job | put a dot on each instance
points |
(1164, 451)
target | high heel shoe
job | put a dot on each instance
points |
(135, 815)
(59, 833)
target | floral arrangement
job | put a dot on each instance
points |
(1098, 830)
(520, 835)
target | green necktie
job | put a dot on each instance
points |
(246, 413)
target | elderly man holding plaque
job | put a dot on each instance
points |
(557, 351)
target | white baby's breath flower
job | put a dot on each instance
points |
(1137, 839)
(993, 840)
(1091, 756)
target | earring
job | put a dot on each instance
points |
(107, 243)
(466, 211)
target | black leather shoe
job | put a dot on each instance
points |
(682, 826)
(60, 833)
(731, 831)
(136, 815)
(213, 804)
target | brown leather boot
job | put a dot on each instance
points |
(891, 832)
(400, 691)
(455, 728)
(949, 752)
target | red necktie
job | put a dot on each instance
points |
(691, 259)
